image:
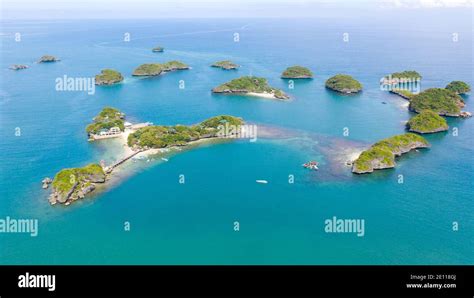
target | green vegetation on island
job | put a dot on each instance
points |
(48, 58)
(250, 85)
(458, 87)
(107, 119)
(158, 49)
(382, 154)
(226, 64)
(158, 136)
(442, 101)
(297, 72)
(108, 77)
(74, 183)
(344, 84)
(154, 69)
(407, 75)
(427, 122)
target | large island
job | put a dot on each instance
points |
(344, 84)
(158, 136)
(382, 154)
(155, 69)
(254, 86)
(442, 101)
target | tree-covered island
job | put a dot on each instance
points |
(250, 85)
(442, 101)
(459, 87)
(155, 69)
(297, 72)
(75, 183)
(108, 122)
(382, 154)
(159, 136)
(226, 64)
(427, 122)
(344, 84)
(108, 77)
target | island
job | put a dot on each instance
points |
(382, 154)
(48, 59)
(155, 69)
(158, 49)
(158, 136)
(139, 140)
(297, 72)
(459, 87)
(343, 83)
(427, 122)
(18, 66)
(75, 183)
(250, 85)
(401, 77)
(108, 123)
(442, 101)
(108, 77)
(226, 64)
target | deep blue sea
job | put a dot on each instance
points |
(280, 223)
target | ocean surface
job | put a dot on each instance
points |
(280, 223)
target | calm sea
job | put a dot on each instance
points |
(280, 223)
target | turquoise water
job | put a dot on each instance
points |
(280, 223)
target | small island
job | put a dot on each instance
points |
(253, 86)
(343, 84)
(226, 64)
(297, 72)
(382, 154)
(48, 59)
(18, 66)
(459, 87)
(427, 122)
(108, 77)
(108, 124)
(442, 101)
(75, 183)
(155, 69)
(401, 77)
(158, 50)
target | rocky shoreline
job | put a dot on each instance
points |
(382, 154)
(72, 184)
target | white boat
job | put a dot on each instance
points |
(262, 181)
(164, 159)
